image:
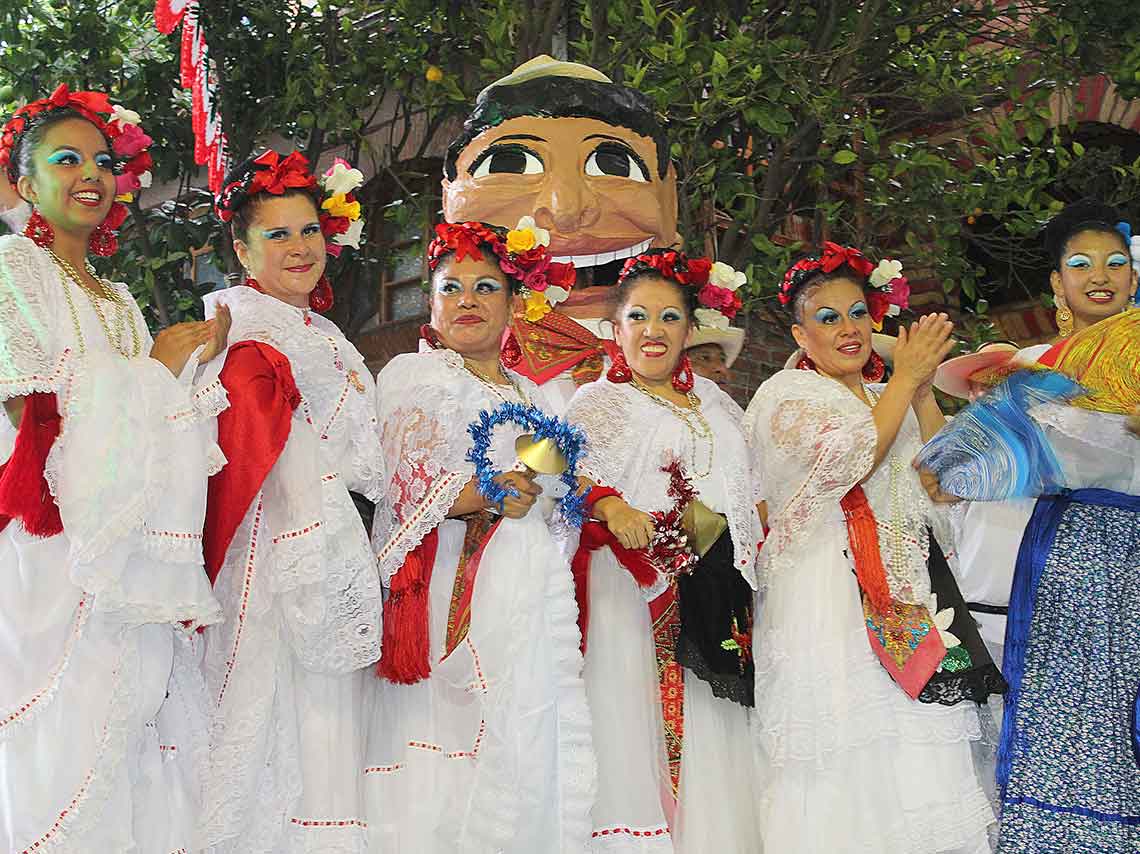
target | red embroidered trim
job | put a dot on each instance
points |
(244, 599)
(384, 769)
(480, 683)
(174, 535)
(299, 532)
(337, 410)
(631, 831)
(347, 822)
(81, 614)
(171, 748)
(80, 794)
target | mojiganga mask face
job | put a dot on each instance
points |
(586, 158)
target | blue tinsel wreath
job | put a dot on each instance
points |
(569, 440)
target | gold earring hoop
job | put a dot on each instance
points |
(1064, 320)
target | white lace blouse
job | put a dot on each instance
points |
(630, 437)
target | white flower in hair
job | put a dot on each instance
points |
(124, 116)
(723, 276)
(541, 235)
(555, 294)
(145, 180)
(711, 317)
(1135, 247)
(341, 178)
(352, 236)
(887, 271)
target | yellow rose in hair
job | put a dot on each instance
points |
(536, 307)
(520, 240)
(339, 205)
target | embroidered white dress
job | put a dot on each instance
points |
(302, 605)
(491, 753)
(850, 763)
(630, 437)
(102, 710)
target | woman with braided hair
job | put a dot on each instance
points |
(868, 667)
(102, 712)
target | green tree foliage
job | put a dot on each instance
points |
(901, 126)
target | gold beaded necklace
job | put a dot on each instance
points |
(693, 419)
(122, 310)
(496, 388)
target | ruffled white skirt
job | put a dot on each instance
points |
(635, 812)
(491, 753)
(102, 723)
(849, 762)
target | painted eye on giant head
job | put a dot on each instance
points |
(858, 311)
(827, 316)
(1078, 261)
(508, 159)
(618, 160)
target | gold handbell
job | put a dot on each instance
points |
(540, 455)
(702, 526)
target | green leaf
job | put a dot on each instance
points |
(902, 33)
(1078, 149)
(845, 157)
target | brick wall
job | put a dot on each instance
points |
(767, 344)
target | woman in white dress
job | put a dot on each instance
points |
(102, 713)
(668, 659)
(853, 761)
(284, 545)
(479, 738)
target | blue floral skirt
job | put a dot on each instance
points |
(1069, 761)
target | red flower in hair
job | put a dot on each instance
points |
(561, 276)
(698, 272)
(723, 300)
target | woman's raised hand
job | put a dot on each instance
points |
(517, 506)
(921, 349)
(217, 344)
(174, 344)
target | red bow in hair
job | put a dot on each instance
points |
(835, 256)
(87, 104)
(463, 238)
(281, 174)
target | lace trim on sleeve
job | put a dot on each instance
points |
(821, 444)
(604, 413)
(28, 358)
(423, 436)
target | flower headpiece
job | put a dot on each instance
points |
(120, 126)
(271, 173)
(716, 283)
(522, 253)
(888, 291)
